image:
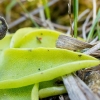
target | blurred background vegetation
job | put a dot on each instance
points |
(30, 13)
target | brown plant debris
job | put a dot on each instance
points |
(66, 42)
(93, 81)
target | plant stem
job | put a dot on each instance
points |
(46, 8)
(75, 17)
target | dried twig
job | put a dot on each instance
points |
(40, 22)
(50, 24)
(96, 54)
(93, 49)
(67, 42)
(77, 89)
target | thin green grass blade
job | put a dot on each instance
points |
(75, 17)
(93, 27)
(46, 8)
(98, 31)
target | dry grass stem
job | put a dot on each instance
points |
(49, 24)
(85, 25)
(94, 9)
(94, 40)
(93, 49)
(41, 14)
(96, 54)
(79, 18)
(77, 89)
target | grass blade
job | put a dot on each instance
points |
(93, 26)
(75, 17)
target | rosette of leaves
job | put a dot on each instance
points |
(32, 65)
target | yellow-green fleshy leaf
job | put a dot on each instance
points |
(51, 88)
(28, 66)
(5, 42)
(40, 38)
(34, 93)
(19, 34)
(23, 93)
(26, 38)
(51, 91)
(37, 38)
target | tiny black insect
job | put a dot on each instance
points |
(3, 27)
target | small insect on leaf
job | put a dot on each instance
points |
(39, 39)
(3, 27)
